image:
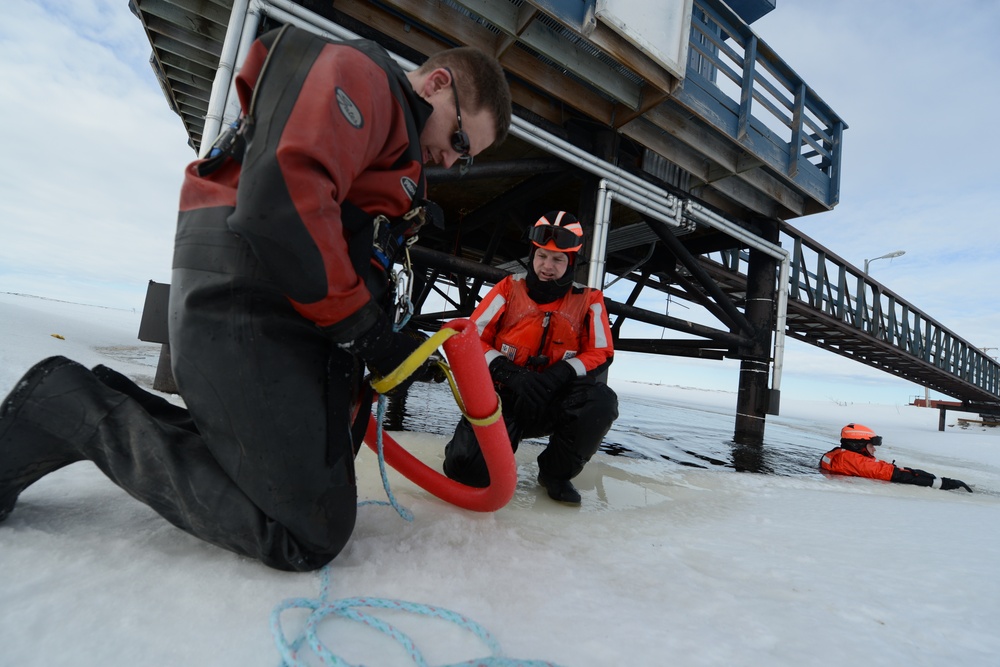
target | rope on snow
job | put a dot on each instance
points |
(352, 609)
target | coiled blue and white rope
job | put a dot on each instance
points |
(355, 609)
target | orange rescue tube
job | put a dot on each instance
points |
(465, 356)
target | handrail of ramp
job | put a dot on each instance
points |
(835, 305)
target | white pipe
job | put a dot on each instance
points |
(568, 152)
(223, 105)
(248, 37)
(712, 219)
(700, 213)
(599, 244)
(286, 14)
(779, 324)
(308, 19)
(223, 77)
(668, 215)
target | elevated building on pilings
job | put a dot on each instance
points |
(682, 141)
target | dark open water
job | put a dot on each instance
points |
(649, 427)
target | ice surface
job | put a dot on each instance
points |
(664, 563)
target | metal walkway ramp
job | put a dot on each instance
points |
(834, 305)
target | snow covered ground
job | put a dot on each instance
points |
(664, 564)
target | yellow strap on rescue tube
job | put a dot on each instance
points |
(412, 362)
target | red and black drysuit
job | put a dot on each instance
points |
(840, 461)
(273, 273)
(570, 334)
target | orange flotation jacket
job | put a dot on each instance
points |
(842, 461)
(573, 328)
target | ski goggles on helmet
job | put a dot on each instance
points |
(875, 440)
(560, 237)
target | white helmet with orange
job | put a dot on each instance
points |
(558, 231)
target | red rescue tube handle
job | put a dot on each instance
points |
(465, 356)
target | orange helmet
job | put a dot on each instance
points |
(558, 231)
(856, 436)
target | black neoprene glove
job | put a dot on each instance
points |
(558, 375)
(502, 370)
(947, 484)
(383, 350)
(924, 478)
(522, 382)
(912, 476)
(534, 390)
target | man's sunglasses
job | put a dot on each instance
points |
(563, 238)
(459, 138)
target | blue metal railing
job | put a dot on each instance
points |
(737, 83)
(845, 293)
(829, 285)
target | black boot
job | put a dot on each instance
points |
(561, 490)
(28, 451)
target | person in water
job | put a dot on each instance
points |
(547, 342)
(856, 457)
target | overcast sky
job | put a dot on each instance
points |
(91, 159)
(92, 156)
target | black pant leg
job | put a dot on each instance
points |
(463, 457)
(583, 416)
(157, 406)
(269, 392)
(66, 414)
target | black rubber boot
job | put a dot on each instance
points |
(463, 459)
(28, 451)
(561, 490)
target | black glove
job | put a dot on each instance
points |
(534, 390)
(383, 350)
(503, 369)
(524, 383)
(558, 375)
(912, 476)
(947, 484)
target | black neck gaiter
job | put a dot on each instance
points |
(547, 291)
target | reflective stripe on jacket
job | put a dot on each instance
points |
(842, 461)
(574, 327)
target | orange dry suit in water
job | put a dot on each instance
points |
(841, 461)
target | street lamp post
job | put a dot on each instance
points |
(888, 255)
